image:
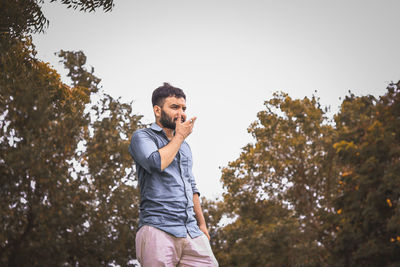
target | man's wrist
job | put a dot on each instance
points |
(180, 137)
(202, 226)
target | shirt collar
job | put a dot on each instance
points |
(156, 127)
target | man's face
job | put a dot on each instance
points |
(172, 110)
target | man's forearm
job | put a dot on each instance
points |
(201, 222)
(197, 210)
(168, 152)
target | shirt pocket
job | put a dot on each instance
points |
(185, 165)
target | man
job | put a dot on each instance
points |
(172, 229)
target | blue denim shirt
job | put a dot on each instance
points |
(166, 197)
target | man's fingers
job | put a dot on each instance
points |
(192, 120)
(208, 236)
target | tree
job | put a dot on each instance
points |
(264, 234)
(312, 193)
(281, 189)
(213, 211)
(368, 145)
(19, 17)
(66, 180)
(67, 184)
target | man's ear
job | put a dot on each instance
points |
(157, 111)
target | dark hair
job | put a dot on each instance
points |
(162, 92)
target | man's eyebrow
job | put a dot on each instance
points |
(177, 105)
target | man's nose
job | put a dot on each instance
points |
(182, 113)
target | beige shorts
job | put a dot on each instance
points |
(156, 248)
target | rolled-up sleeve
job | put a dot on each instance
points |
(144, 151)
(194, 186)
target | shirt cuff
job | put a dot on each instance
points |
(154, 161)
(195, 191)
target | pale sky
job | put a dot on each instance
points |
(229, 57)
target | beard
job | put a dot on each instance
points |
(167, 121)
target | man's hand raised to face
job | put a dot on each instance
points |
(168, 152)
(184, 129)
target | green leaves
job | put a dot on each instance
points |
(332, 186)
(21, 17)
(80, 77)
(368, 146)
(66, 180)
(286, 180)
(88, 5)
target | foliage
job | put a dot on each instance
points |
(88, 5)
(289, 173)
(310, 192)
(263, 235)
(368, 205)
(18, 17)
(23, 16)
(67, 190)
(214, 211)
(75, 63)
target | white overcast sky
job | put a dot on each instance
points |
(229, 57)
